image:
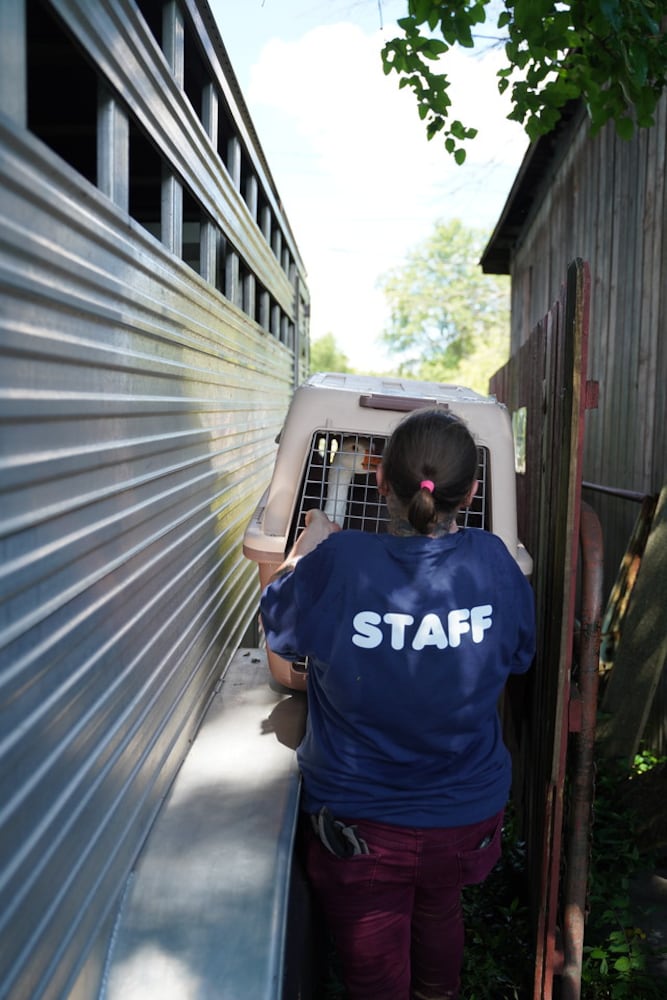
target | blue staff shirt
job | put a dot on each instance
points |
(411, 640)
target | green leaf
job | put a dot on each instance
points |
(625, 128)
(611, 11)
(622, 964)
(421, 9)
(406, 23)
(433, 48)
(433, 18)
(638, 61)
(434, 126)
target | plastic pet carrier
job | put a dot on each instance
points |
(330, 444)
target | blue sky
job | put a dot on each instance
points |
(360, 182)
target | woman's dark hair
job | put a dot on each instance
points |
(435, 447)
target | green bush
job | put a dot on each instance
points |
(617, 950)
(499, 956)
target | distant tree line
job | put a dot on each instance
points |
(448, 322)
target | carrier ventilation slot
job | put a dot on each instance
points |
(339, 478)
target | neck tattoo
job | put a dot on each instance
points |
(401, 526)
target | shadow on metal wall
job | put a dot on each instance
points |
(550, 715)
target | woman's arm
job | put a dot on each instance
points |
(318, 527)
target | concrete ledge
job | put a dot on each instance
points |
(205, 911)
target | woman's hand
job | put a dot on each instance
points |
(318, 527)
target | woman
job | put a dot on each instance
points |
(411, 637)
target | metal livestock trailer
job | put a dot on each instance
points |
(154, 323)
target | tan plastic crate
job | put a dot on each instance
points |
(332, 439)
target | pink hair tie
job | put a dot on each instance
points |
(427, 484)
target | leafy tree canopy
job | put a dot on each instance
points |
(326, 356)
(612, 54)
(448, 321)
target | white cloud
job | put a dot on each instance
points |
(360, 182)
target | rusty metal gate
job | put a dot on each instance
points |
(550, 717)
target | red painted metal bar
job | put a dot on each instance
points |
(582, 761)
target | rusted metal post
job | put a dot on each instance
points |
(582, 771)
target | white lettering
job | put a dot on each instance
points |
(457, 625)
(430, 633)
(480, 620)
(366, 623)
(398, 623)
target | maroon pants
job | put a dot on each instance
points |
(395, 913)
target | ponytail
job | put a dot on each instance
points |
(430, 462)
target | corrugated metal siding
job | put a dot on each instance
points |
(138, 412)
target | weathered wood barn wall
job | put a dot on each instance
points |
(602, 199)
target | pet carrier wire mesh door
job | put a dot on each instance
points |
(330, 445)
(339, 480)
